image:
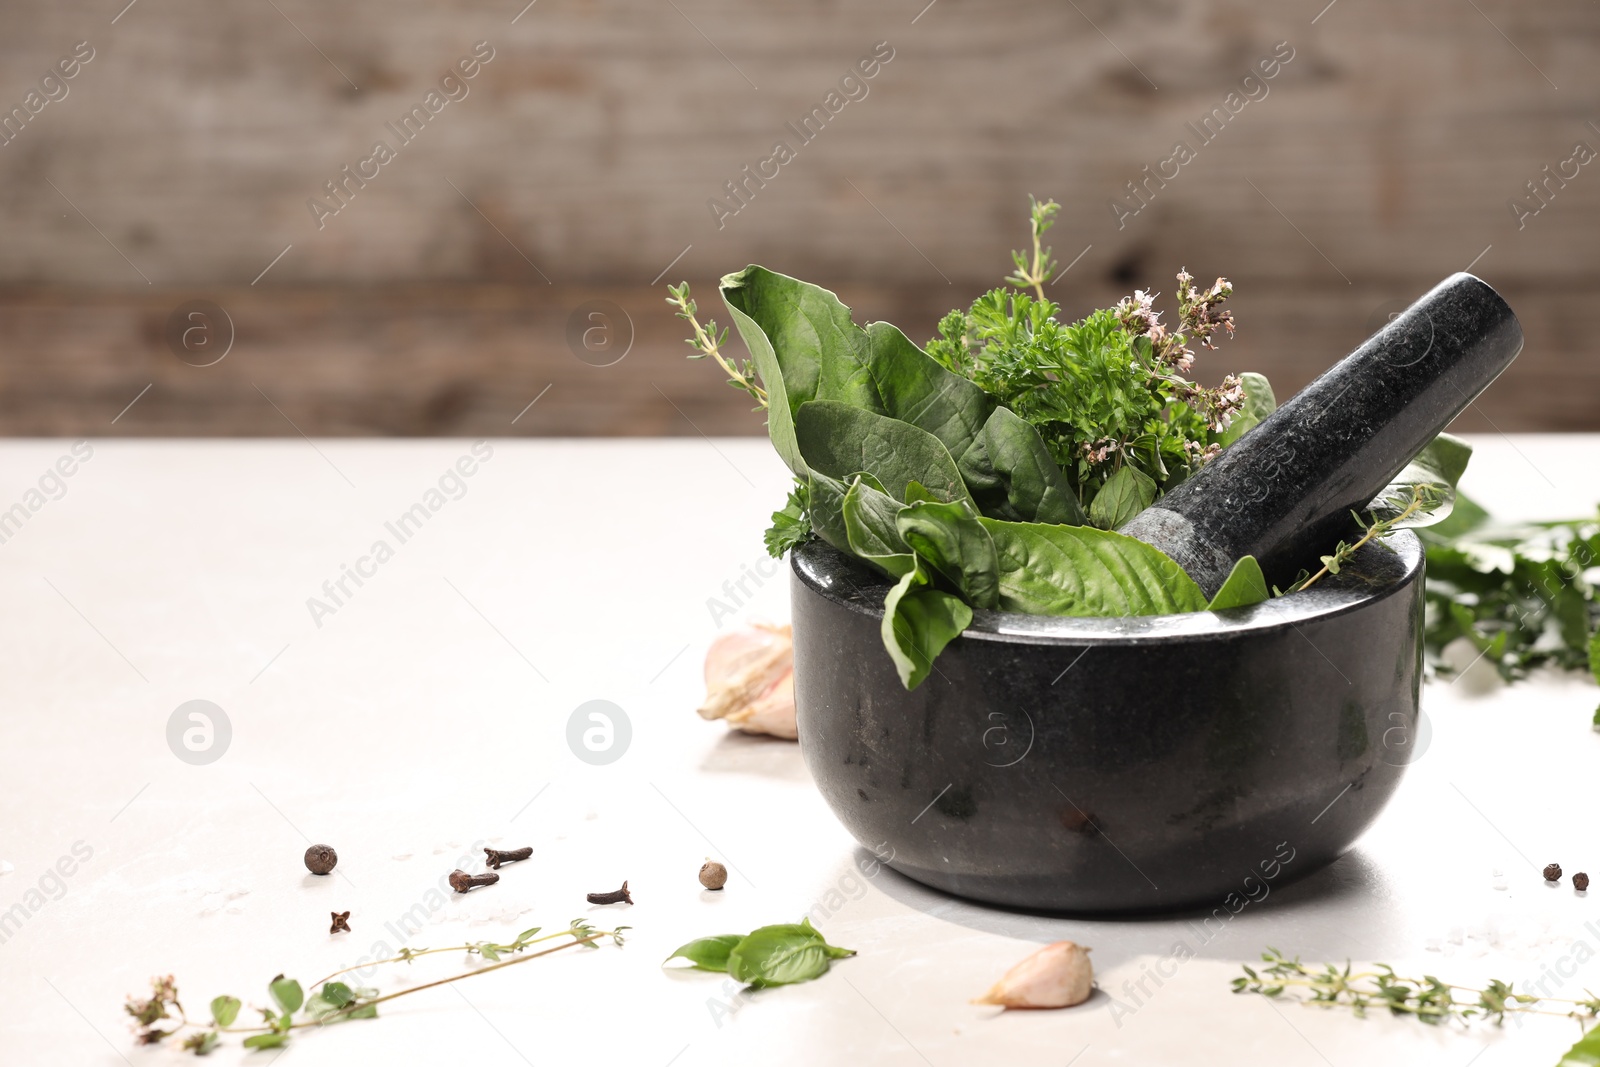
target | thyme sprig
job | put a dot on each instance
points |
(1427, 998)
(1423, 497)
(708, 341)
(333, 1001)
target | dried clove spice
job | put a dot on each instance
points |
(621, 896)
(713, 875)
(321, 859)
(498, 856)
(1552, 873)
(341, 921)
(461, 881)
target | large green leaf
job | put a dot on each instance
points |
(1012, 475)
(708, 953)
(918, 621)
(1586, 1053)
(821, 354)
(825, 496)
(782, 955)
(1258, 404)
(780, 409)
(953, 542)
(1078, 570)
(869, 522)
(1245, 585)
(1436, 470)
(838, 440)
(1125, 494)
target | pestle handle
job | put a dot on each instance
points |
(1284, 491)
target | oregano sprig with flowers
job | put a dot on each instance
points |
(161, 1015)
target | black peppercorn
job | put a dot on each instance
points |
(320, 859)
(1552, 873)
(1580, 882)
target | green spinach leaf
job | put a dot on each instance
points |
(1012, 475)
(838, 440)
(821, 354)
(869, 521)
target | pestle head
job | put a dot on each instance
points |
(1285, 490)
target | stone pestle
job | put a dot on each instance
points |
(1285, 490)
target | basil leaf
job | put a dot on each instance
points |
(953, 542)
(834, 951)
(778, 955)
(838, 440)
(708, 953)
(224, 1010)
(1436, 469)
(917, 623)
(869, 522)
(287, 993)
(1012, 475)
(1245, 585)
(1078, 570)
(272, 1040)
(1594, 655)
(1586, 1053)
(1125, 494)
(780, 411)
(1258, 404)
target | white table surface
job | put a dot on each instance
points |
(430, 712)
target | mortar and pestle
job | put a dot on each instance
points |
(1119, 765)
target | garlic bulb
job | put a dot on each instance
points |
(1057, 976)
(750, 681)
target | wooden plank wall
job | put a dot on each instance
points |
(1383, 154)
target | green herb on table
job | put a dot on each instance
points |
(1427, 999)
(161, 1015)
(1524, 596)
(773, 955)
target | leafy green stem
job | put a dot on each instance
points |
(1035, 272)
(1342, 553)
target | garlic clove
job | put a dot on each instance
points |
(750, 680)
(1056, 976)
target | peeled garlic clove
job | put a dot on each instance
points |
(750, 680)
(1057, 976)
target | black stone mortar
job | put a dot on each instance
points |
(1114, 765)
(1152, 763)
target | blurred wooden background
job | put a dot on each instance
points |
(179, 163)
